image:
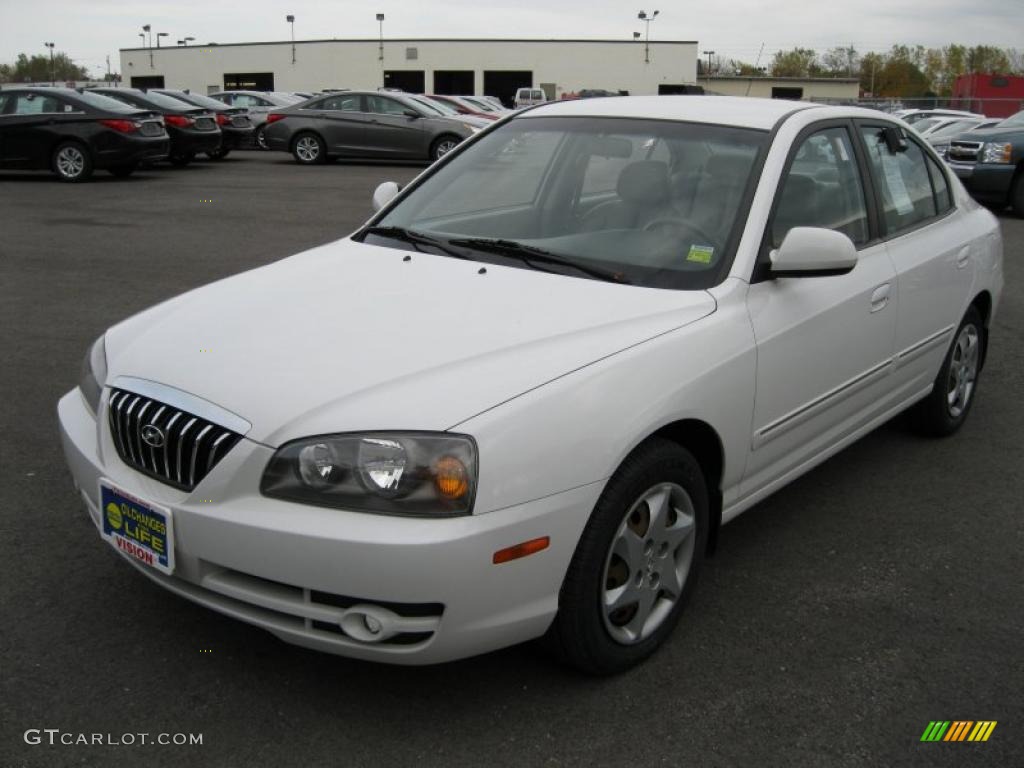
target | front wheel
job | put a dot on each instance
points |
(443, 146)
(636, 562)
(945, 409)
(309, 149)
(72, 162)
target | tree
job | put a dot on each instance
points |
(38, 69)
(841, 62)
(988, 60)
(800, 62)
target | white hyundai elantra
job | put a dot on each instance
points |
(520, 401)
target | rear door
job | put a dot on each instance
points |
(393, 133)
(342, 121)
(824, 344)
(930, 247)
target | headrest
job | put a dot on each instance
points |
(644, 183)
(734, 166)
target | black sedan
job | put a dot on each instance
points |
(73, 133)
(192, 129)
(235, 125)
(389, 126)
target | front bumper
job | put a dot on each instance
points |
(298, 571)
(985, 181)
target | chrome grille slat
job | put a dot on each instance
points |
(199, 442)
(195, 452)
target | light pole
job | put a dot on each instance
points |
(158, 36)
(145, 28)
(709, 54)
(53, 76)
(290, 18)
(380, 55)
(647, 40)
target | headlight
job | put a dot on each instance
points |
(94, 373)
(393, 473)
(997, 152)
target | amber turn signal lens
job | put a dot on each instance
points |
(451, 478)
(521, 550)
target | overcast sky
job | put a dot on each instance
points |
(89, 30)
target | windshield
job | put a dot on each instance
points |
(655, 201)
(199, 100)
(441, 106)
(1016, 119)
(99, 101)
(430, 106)
(923, 125)
(167, 102)
(484, 105)
(957, 126)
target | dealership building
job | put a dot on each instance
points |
(496, 67)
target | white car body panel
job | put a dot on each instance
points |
(556, 378)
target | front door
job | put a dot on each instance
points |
(391, 132)
(343, 122)
(824, 344)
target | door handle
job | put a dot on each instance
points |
(880, 297)
(963, 257)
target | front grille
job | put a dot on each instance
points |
(152, 128)
(964, 150)
(240, 121)
(205, 123)
(188, 446)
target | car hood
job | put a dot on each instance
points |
(995, 133)
(350, 337)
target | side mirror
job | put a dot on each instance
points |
(813, 252)
(412, 113)
(384, 194)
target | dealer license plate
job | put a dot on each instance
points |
(137, 528)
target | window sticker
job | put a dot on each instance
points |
(894, 180)
(700, 253)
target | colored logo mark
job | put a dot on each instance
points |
(113, 515)
(958, 730)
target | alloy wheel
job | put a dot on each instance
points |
(648, 563)
(963, 371)
(70, 162)
(308, 149)
(444, 147)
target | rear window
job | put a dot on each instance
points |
(105, 103)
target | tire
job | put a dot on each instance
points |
(122, 171)
(180, 161)
(260, 139)
(218, 154)
(613, 563)
(72, 162)
(1017, 194)
(309, 149)
(443, 145)
(945, 409)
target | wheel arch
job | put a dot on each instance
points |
(704, 443)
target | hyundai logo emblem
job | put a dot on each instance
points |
(152, 435)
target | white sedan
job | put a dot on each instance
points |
(521, 400)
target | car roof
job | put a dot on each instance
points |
(739, 111)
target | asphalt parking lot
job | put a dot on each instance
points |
(881, 591)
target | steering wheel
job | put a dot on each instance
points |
(683, 226)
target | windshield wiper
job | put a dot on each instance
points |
(414, 238)
(529, 254)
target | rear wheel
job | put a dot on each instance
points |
(945, 409)
(1017, 194)
(261, 139)
(72, 162)
(636, 562)
(121, 171)
(309, 149)
(442, 146)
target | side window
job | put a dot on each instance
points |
(902, 178)
(227, 98)
(823, 189)
(346, 103)
(33, 104)
(943, 198)
(382, 105)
